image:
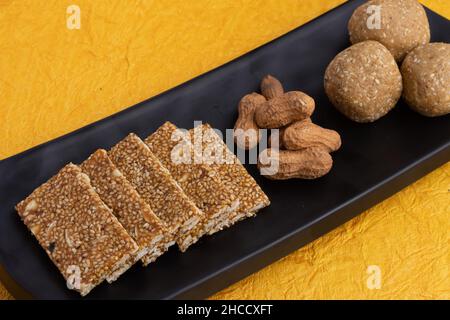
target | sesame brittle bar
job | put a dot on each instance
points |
(130, 209)
(200, 182)
(157, 187)
(233, 174)
(77, 230)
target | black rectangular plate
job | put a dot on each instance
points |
(376, 161)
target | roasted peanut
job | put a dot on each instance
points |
(304, 134)
(309, 163)
(285, 109)
(271, 87)
(246, 132)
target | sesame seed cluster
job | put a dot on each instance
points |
(156, 186)
(234, 176)
(77, 230)
(363, 81)
(132, 203)
(426, 78)
(130, 209)
(391, 57)
(201, 183)
(403, 25)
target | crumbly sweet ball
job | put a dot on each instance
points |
(158, 188)
(234, 176)
(77, 230)
(426, 79)
(200, 182)
(130, 209)
(404, 25)
(363, 82)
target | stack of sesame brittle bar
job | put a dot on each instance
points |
(77, 230)
(157, 187)
(198, 180)
(233, 174)
(133, 202)
(130, 209)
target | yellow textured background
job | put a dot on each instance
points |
(54, 80)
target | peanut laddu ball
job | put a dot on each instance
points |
(426, 79)
(400, 25)
(363, 82)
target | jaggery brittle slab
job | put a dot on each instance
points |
(77, 230)
(130, 209)
(157, 187)
(233, 174)
(200, 182)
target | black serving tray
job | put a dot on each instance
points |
(376, 160)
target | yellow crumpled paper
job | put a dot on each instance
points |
(54, 80)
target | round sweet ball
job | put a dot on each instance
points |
(400, 25)
(426, 79)
(363, 82)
